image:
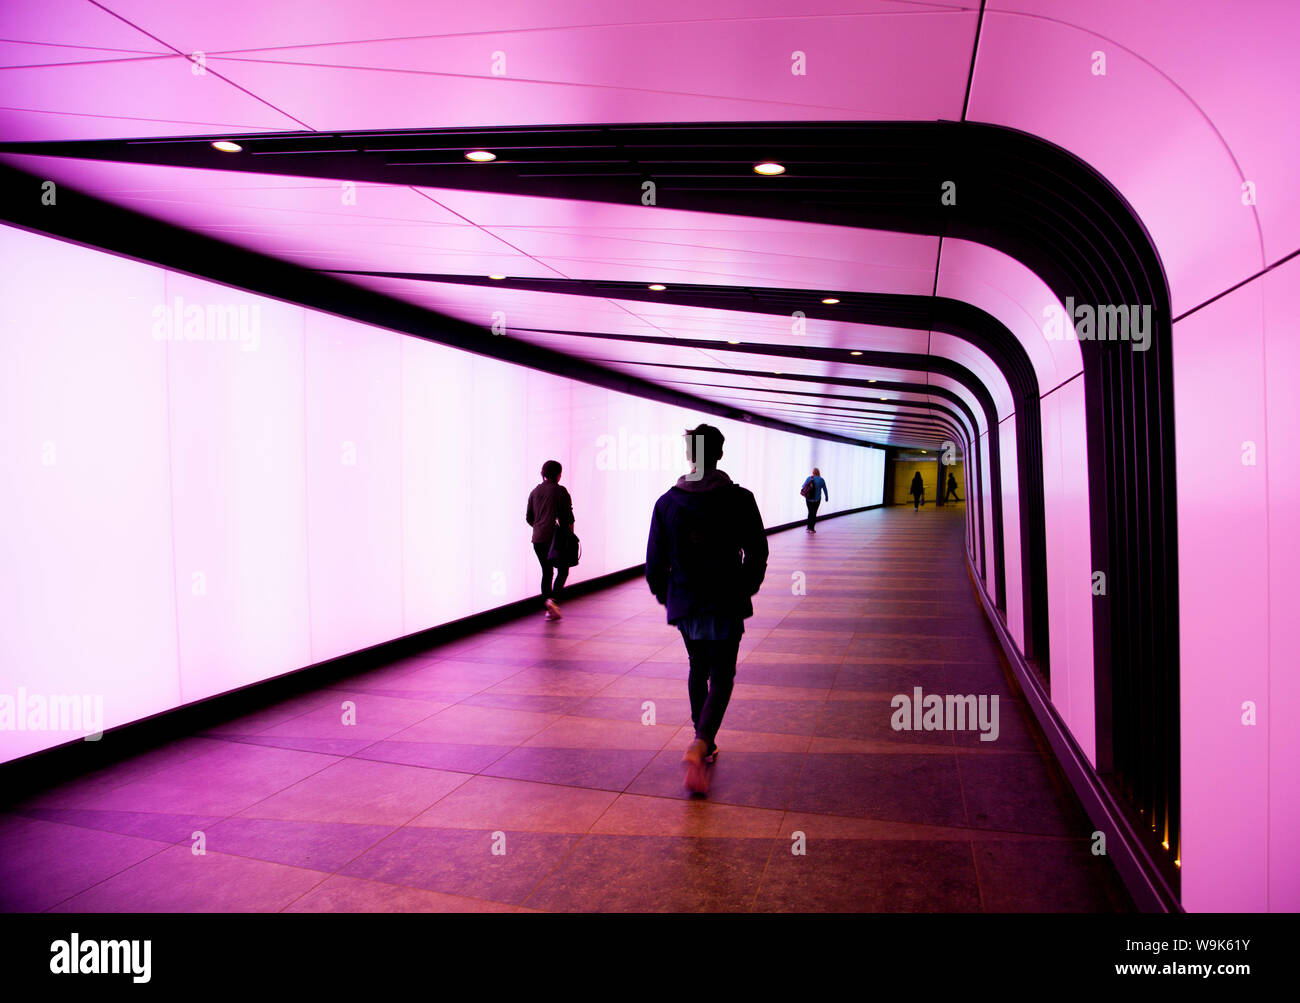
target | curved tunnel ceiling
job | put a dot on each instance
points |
(1025, 198)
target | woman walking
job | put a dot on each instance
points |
(813, 489)
(550, 508)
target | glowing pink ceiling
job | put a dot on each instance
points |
(73, 69)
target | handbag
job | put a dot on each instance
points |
(807, 489)
(566, 548)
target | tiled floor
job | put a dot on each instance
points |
(520, 769)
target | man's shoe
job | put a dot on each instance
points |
(697, 775)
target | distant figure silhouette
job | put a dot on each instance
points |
(705, 559)
(813, 489)
(952, 488)
(550, 507)
(917, 491)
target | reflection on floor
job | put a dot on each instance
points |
(517, 769)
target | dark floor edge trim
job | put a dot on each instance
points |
(48, 767)
(1136, 869)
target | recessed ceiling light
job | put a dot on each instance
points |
(733, 342)
(830, 301)
(480, 156)
(226, 146)
(884, 398)
(871, 381)
(497, 277)
(855, 353)
(769, 168)
(776, 372)
(657, 288)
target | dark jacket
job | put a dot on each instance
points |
(549, 505)
(918, 486)
(707, 551)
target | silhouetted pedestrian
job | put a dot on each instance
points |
(952, 488)
(705, 559)
(813, 489)
(917, 491)
(550, 508)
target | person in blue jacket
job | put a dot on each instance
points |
(812, 490)
(705, 560)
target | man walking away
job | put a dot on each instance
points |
(952, 488)
(705, 560)
(813, 489)
(549, 506)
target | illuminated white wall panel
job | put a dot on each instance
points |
(257, 487)
(236, 416)
(990, 549)
(87, 595)
(436, 387)
(1282, 374)
(1015, 607)
(1223, 601)
(1069, 563)
(354, 484)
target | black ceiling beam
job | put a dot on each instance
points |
(812, 353)
(919, 313)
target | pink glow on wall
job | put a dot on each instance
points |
(1005, 289)
(1235, 67)
(1036, 74)
(238, 480)
(975, 360)
(993, 555)
(1223, 549)
(87, 597)
(354, 483)
(193, 508)
(1015, 607)
(1069, 563)
(966, 396)
(1282, 375)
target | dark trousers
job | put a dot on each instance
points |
(713, 675)
(952, 493)
(550, 591)
(916, 502)
(813, 506)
